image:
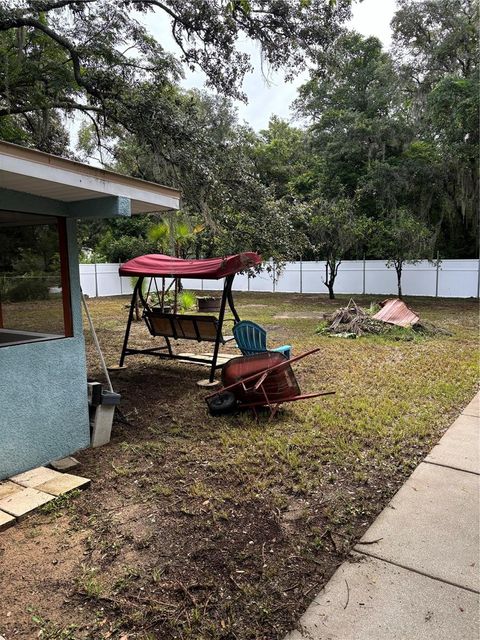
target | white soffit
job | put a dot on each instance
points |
(48, 176)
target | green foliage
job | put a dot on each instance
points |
(32, 71)
(81, 56)
(29, 262)
(322, 327)
(350, 99)
(124, 247)
(133, 282)
(176, 235)
(187, 300)
(88, 584)
(121, 239)
(402, 238)
(227, 206)
(334, 231)
(437, 44)
(60, 504)
(280, 155)
(268, 226)
(400, 132)
(452, 112)
(387, 131)
(27, 289)
(434, 38)
(48, 630)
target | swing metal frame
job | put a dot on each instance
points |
(165, 351)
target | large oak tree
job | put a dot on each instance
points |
(94, 56)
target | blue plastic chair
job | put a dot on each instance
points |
(251, 339)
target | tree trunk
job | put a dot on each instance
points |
(399, 280)
(331, 268)
(137, 308)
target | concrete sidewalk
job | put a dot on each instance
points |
(415, 574)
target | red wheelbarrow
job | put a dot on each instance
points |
(262, 380)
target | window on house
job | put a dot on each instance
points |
(34, 285)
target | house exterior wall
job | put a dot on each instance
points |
(43, 392)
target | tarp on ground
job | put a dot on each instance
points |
(157, 264)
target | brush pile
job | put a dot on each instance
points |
(353, 321)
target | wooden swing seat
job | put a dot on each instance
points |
(183, 327)
(175, 326)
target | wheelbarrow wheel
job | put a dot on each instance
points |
(222, 403)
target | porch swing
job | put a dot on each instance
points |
(171, 325)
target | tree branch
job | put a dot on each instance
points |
(59, 4)
(16, 22)
(158, 4)
(56, 105)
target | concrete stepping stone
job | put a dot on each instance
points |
(21, 503)
(7, 488)
(65, 464)
(63, 483)
(35, 477)
(460, 446)
(206, 384)
(6, 520)
(369, 599)
(431, 526)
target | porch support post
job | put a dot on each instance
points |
(65, 279)
(138, 285)
(227, 287)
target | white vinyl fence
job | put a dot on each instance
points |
(448, 279)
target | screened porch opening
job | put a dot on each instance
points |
(34, 284)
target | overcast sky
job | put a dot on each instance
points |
(272, 95)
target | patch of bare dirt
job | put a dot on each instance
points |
(38, 559)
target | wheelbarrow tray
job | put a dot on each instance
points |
(263, 379)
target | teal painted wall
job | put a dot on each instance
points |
(43, 392)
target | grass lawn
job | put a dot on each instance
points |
(206, 528)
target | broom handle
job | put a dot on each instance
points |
(97, 344)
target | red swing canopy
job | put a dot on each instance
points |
(156, 264)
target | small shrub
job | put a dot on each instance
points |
(187, 300)
(28, 289)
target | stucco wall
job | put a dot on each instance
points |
(42, 403)
(43, 394)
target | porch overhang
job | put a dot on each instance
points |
(35, 182)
